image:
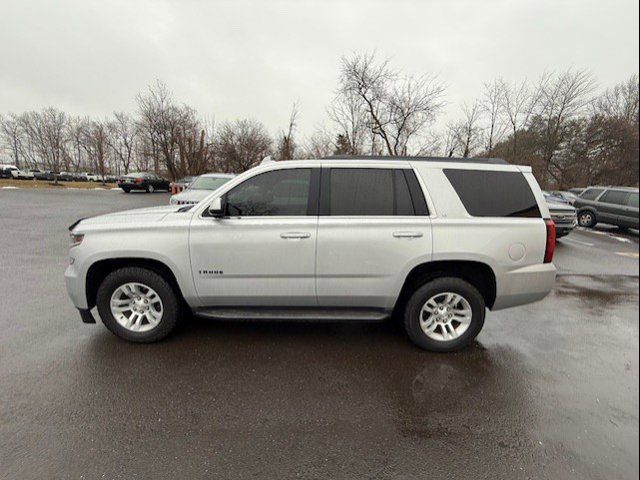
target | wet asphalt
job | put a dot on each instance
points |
(549, 390)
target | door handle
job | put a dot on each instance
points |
(407, 234)
(295, 235)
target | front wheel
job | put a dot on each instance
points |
(138, 305)
(150, 189)
(586, 218)
(444, 315)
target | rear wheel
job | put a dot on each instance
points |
(444, 315)
(126, 190)
(586, 218)
(138, 305)
(150, 189)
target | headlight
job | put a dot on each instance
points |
(76, 239)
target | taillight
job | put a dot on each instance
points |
(551, 241)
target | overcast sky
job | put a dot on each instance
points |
(234, 59)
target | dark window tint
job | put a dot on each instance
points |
(276, 193)
(616, 197)
(591, 193)
(494, 194)
(633, 200)
(369, 192)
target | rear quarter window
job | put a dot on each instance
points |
(591, 193)
(494, 194)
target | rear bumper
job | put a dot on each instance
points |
(525, 285)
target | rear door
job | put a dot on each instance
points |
(611, 206)
(629, 218)
(373, 224)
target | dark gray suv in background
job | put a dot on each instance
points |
(613, 205)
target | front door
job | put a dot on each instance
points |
(263, 252)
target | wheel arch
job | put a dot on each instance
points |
(478, 274)
(99, 270)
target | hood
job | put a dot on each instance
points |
(138, 215)
(190, 195)
(560, 207)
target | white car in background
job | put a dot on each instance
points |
(199, 188)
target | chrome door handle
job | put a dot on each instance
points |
(407, 234)
(294, 235)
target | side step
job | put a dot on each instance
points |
(293, 314)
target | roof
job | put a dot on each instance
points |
(491, 161)
(609, 187)
(222, 175)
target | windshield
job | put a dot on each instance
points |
(208, 183)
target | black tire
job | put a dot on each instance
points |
(150, 189)
(126, 190)
(587, 218)
(430, 289)
(170, 303)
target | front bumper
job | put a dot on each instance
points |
(75, 287)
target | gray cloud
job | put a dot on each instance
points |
(254, 58)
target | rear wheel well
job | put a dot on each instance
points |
(478, 274)
(99, 271)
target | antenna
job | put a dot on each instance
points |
(266, 160)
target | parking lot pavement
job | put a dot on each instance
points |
(547, 391)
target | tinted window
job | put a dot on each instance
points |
(591, 193)
(369, 192)
(616, 197)
(494, 194)
(633, 200)
(277, 193)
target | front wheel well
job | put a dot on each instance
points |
(478, 274)
(99, 271)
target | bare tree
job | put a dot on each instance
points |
(122, 140)
(621, 101)
(563, 97)
(96, 143)
(491, 106)
(398, 108)
(160, 121)
(519, 102)
(286, 144)
(11, 133)
(348, 112)
(467, 131)
(242, 144)
(46, 130)
(320, 144)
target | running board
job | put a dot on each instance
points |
(293, 314)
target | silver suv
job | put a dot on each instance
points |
(434, 241)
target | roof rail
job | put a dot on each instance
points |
(493, 161)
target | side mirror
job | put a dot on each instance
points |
(217, 208)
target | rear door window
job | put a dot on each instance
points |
(616, 197)
(487, 193)
(371, 192)
(633, 200)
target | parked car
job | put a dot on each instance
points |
(93, 177)
(18, 174)
(6, 171)
(147, 182)
(42, 175)
(66, 177)
(613, 205)
(338, 239)
(562, 213)
(567, 196)
(181, 184)
(199, 188)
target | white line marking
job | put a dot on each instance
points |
(578, 242)
(628, 254)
